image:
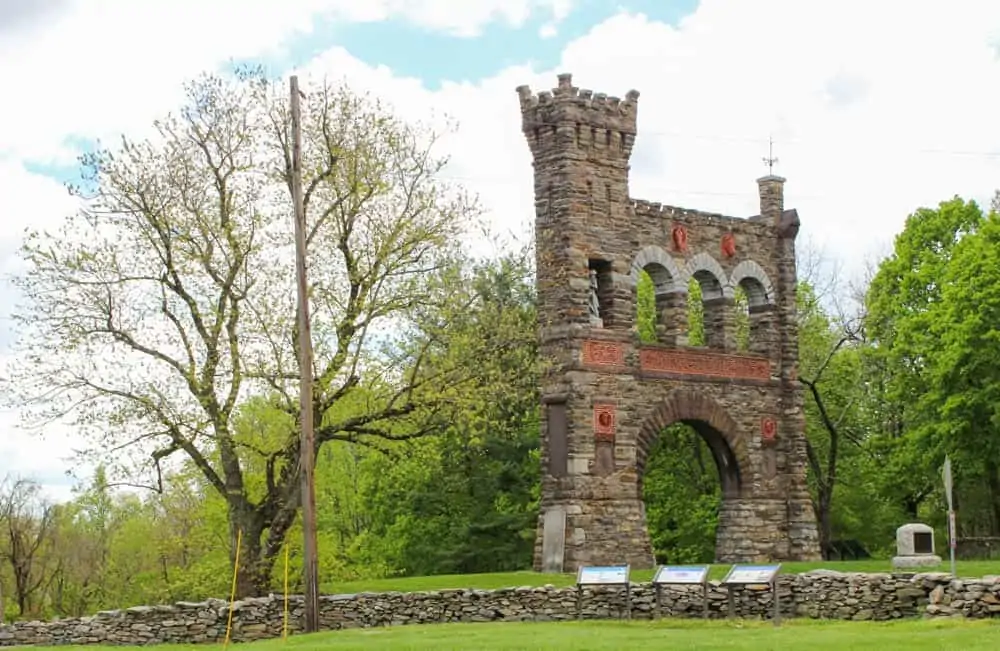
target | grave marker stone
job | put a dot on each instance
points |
(915, 547)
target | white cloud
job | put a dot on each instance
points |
(455, 17)
(875, 108)
(869, 120)
(108, 66)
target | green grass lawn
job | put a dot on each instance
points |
(918, 635)
(518, 579)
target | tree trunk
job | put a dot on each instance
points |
(993, 479)
(911, 505)
(253, 579)
(257, 556)
(824, 520)
(245, 528)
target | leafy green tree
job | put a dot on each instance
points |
(964, 380)
(901, 332)
(830, 371)
(467, 499)
(153, 314)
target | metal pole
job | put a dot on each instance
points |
(777, 601)
(952, 527)
(307, 437)
(952, 541)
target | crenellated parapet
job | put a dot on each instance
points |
(575, 117)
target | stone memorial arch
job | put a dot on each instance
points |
(606, 396)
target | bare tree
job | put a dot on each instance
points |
(27, 520)
(155, 313)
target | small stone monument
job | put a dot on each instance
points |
(915, 547)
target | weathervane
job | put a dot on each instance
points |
(770, 159)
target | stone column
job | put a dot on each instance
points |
(720, 324)
(772, 197)
(800, 520)
(671, 322)
(762, 331)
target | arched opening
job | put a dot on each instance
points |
(682, 493)
(660, 297)
(689, 460)
(755, 308)
(660, 307)
(755, 317)
(710, 314)
(695, 315)
(741, 316)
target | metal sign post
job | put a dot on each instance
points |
(747, 575)
(613, 575)
(952, 528)
(681, 575)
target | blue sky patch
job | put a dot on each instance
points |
(434, 57)
(64, 173)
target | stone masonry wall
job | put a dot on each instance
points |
(607, 396)
(827, 595)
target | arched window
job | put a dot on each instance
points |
(660, 298)
(715, 304)
(753, 282)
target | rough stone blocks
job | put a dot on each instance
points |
(607, 396)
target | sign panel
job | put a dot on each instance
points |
(681, 574)
(609, 575)
(952, 530)
(751, 574)
(946, 472)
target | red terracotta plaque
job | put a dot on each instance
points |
(680, 237)
(603, 353)
(604, 422)
(768, 429)
(687, 362)
(728, 245)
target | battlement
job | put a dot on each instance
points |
(569, 106)
(654, 210)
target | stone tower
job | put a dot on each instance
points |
(606, 396)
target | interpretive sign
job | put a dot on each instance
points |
(751, 574)
(606, 575)
(681, 575)
(741, 576)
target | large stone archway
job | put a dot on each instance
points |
(710, 420)
(606, 394)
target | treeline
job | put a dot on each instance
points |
(161, 320)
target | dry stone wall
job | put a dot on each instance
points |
(828, 595)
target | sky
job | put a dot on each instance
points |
(874, 108)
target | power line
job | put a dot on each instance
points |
(869, 143)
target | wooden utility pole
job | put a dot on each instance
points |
(307, 441)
